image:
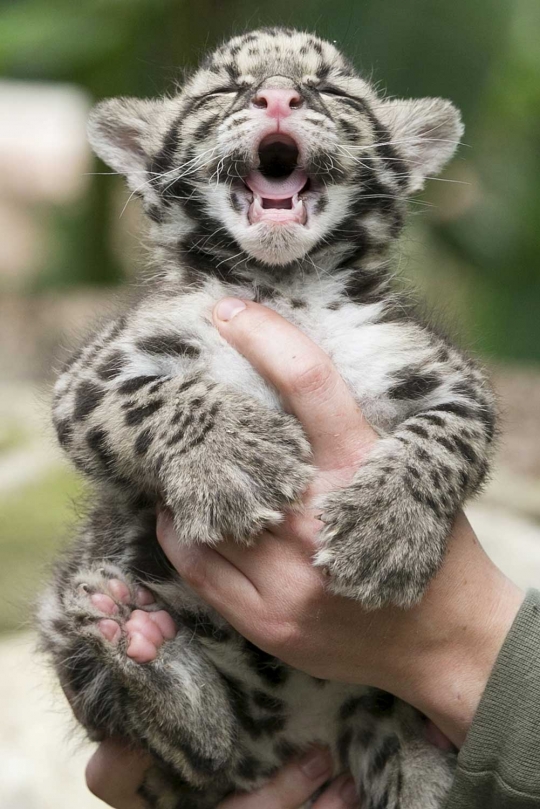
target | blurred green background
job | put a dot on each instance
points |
(68, 242)
(482, 239)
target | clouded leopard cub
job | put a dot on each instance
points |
(275, 174)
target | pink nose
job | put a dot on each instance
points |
(276, 102)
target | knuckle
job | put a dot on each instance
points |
(313, 380)
(94, 779)
(282, 635)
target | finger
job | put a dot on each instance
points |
(115, 772)
(290, 788)
(304, 375)
(212, 576)
(341, 794)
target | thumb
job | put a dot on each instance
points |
(310, 385)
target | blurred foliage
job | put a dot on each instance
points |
(483, 54)
(34, 522)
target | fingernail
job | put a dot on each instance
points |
(348, 793)
(229, 308)
(316, 763)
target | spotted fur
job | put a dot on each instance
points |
(158, 407)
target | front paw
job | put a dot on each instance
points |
(380, 545)
(252, 467)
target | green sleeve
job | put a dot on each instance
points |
(499, 764)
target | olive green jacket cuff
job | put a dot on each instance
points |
(498, 767)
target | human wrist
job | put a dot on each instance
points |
(452, 639)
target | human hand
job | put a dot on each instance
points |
(115, 773)
(436, 656)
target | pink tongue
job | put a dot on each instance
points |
(276, 188)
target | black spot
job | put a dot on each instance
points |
(64, 431)
(432, 418)
(193, 442)
(143, 441)
(322, 71)
(284, 750)
(149, 562)
(446, 443)
(205, 128)
(263, 292)
(466, 450)
(464, 388)
(488, 419)
(321, 204)
(136, 383)
(382, 803)
(168, 344)
(112, 366)
(298, 303)
(349, 128)
(155, 386)
(188, 384)
(365, 737)
(149, 797)
(249, 768)
(461, 410)
(162, 162)
(344, 746)
(97, 440)
(364, 286)
(255, 727)
(268, 668)
(335, 305)
(389, 748)
(139, 414)
(155, 213)
(415, 387)
(378, 702)
(267, 702)
(88, 396)
(417, 430)
(197, 760)
(423, 498)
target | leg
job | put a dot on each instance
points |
(385, 534)
(129, 672)
(383, 742)
(224, 463)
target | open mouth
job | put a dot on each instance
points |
(278, 183)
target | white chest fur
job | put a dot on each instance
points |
(367, 354)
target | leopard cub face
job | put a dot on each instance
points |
(274, 149)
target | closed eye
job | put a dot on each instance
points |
(334, 91)
(223, 90)
(203, 99)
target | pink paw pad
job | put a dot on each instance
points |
(109, 629)
(144, 597)
(147, 631)
(104, 603)
(119, 590)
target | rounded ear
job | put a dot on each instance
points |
(425, 131)
(127, 132)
